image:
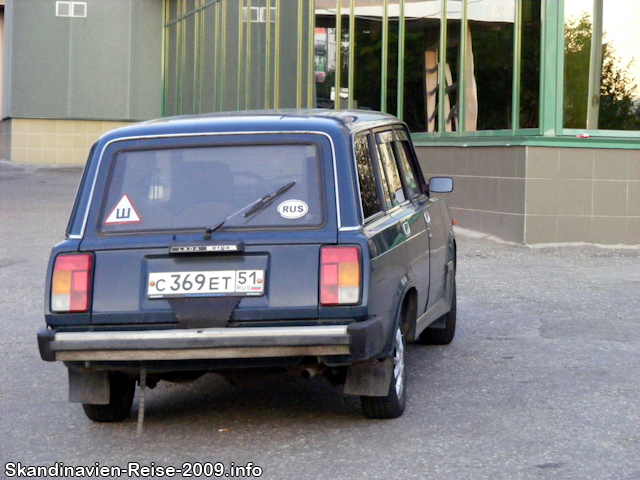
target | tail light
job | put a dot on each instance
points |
(70, 283)
(339, 275)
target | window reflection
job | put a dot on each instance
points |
(601, 70)
(170, 83)
(577, 47)
(488, 71)
(491, 23)
(368, 58)
(236, 55)
(620, 79)
(331, 53)
(356, 60)
(452, 85)
(414, 89)
(530, 64)
(422, 39)
(393, 25)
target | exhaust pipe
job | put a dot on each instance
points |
(309, 372)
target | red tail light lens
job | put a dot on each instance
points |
(70, 283)
(339, 275)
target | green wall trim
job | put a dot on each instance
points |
(420, 140)
(552, 67)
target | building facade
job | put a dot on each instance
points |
(74, 70)
(532, 106)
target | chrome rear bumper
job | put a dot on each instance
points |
(187, 344)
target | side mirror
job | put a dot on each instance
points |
(441, 184)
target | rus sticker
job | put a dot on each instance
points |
(293, 209)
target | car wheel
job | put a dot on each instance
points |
(393, 404)
(122, 390)
(442, 336)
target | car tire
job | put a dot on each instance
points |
(393, 405)
(442, 336)
(122, 390)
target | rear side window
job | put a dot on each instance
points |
(368, 189)
(198, 187)
(404, 153)
(392, 185)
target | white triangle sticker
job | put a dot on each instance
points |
(124, 212)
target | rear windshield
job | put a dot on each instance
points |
(244, 186)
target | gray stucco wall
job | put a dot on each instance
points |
(107, 66)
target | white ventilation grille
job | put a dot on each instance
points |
(259, 14)
(79, 9)
(71, 9)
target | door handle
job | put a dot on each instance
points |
(406, 228)
(427, 218)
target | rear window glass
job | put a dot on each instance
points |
(199, 187)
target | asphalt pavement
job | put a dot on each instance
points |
(542, 380)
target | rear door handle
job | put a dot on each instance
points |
(406, 228)
(427, 218)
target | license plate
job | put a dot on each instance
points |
(205, 284)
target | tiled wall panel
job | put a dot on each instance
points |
(51, 142)
(542, 194)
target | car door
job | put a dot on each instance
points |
(418, 240)
(393, 223)
(433, 263)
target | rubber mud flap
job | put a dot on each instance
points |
(89, 386)
(371, 378)
(210, 312)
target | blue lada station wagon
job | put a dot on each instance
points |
(299, 240)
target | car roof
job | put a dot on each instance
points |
(324, 120)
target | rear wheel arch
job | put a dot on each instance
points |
(407, 314)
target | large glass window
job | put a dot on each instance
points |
(237, 54)
(368, 61)
(530, 64)
(171, 86)
(602, 65)
(421, 54)
(446, 67)
(491, 23)
(332, 44)
(441, 65)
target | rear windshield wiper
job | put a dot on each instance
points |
(255, 206)
(268, 199)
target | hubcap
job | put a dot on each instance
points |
(398, 363)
